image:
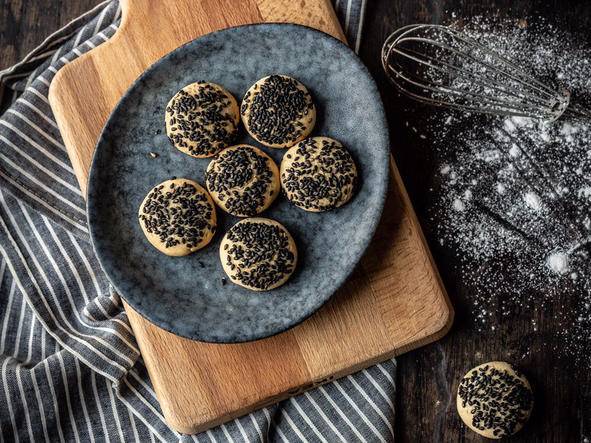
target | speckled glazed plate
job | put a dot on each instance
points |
(189, 296)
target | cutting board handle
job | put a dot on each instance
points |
(156, 20)
(152, 19)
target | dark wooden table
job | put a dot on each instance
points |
(428, 377)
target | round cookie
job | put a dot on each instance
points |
(277, 111)
(243, 180)
(258, 254)
(178, 217)
(318, 174)
(202, 119)
(494, 399)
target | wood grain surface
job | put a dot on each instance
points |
(393, 303)
(427, 377)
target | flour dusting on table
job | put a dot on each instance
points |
(512, 196)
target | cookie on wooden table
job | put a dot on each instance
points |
(494, 399)
(258, 254)
(178, 217)
(243, 180)
(278, 111)
(202, 119)
(318, 174)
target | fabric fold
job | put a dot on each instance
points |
(34, 163)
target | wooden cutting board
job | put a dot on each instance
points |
(392, 303)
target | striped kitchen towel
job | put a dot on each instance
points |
(70, 367)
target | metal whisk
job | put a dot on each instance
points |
(438, 65)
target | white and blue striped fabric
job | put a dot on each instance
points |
(70, 369)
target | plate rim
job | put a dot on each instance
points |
(373, 224)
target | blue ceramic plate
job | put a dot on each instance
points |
(189, 296)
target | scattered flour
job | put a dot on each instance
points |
(512, 201)
(509, 126)
(533, 200)
(585, 192)
(459, 205)
(514, 151)
(558, 263)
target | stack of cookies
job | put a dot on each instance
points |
(316, 174)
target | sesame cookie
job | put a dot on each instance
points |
(318, 174)
(178, 217)
(494, 400)
(243, 180)
(202, 119)
(277, 111)
(258, 254)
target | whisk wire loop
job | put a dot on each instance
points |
(432, 62)
(438, 65)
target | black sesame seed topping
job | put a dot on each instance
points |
(177, 214)
(498, 400)
(200, 120)
(277, 109)
(241, 178)
(320, 176)
(259, 255)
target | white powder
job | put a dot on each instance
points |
(512, 201)
(458, 205)
(514, 151)
(490, 155)
(533, 200)
(568, 129)
(509, 126)
(523, 121)
(558, 263)
(545, 136)
(585, 192)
